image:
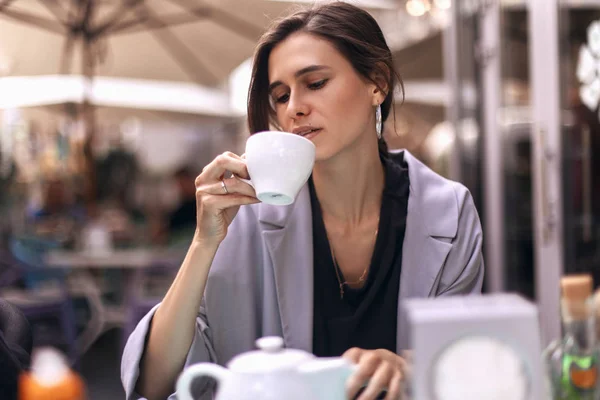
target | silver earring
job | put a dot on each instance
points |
(378, 121)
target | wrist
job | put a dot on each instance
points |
(203, 241)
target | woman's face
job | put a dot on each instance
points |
(317, 93)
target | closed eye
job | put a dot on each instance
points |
(282, 99)
(317, 85)
(312, 86)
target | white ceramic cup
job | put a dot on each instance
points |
(279, 164)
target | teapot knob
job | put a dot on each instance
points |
(270, 344)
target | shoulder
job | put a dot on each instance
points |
(431, 184)
(441, 201)
(446, 211)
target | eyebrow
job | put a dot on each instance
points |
(299, 73)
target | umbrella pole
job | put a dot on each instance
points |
(89, 120)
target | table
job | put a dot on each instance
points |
(113, 259)
(81, 263)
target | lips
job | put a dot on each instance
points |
(309, 132)
(305, 130)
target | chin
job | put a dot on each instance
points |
(325, 152)
(328, 147)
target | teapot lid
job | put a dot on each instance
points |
(270, 357)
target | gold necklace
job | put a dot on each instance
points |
(337, 269)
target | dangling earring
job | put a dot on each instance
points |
(378, 121)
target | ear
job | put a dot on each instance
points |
(380, 87)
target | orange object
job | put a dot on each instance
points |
(583, 379)
(50, 379)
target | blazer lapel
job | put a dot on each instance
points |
(431, 224)
(287, 233)
(422, 258)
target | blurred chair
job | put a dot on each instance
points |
(15, 348)
(44, 295)
(147, 288)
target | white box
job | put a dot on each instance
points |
(504, 328)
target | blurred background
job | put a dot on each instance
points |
(110, 108)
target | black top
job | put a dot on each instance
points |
(365, 317)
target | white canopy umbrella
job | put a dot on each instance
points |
(172, 40)
(48, 90)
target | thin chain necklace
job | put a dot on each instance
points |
(337, 268)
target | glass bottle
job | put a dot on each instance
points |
(572, 361)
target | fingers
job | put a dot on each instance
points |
(394, 387)
(215, 194)
(353, 355)
(215, 204)
(367, 365)
(380, 370)
(378, 382)
(227, 161)
(232, 186)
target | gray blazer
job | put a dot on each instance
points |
(261, 280)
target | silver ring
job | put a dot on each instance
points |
(224, 186)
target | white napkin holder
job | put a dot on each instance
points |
(475, 348)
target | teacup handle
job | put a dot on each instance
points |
(184, 382)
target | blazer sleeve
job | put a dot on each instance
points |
(202, 348)
(464, 268)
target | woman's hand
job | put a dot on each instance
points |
(381, 368)
(218, 199)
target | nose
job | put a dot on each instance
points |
(297, 107)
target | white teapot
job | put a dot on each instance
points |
(272, 372)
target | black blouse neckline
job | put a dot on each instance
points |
(354, 320)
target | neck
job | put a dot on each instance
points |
(350, 185)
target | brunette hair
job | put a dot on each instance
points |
(351, 30)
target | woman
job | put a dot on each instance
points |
(326, 273)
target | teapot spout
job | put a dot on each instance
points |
(327, 377)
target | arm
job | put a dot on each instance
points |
(173, 326)
(233, 252)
